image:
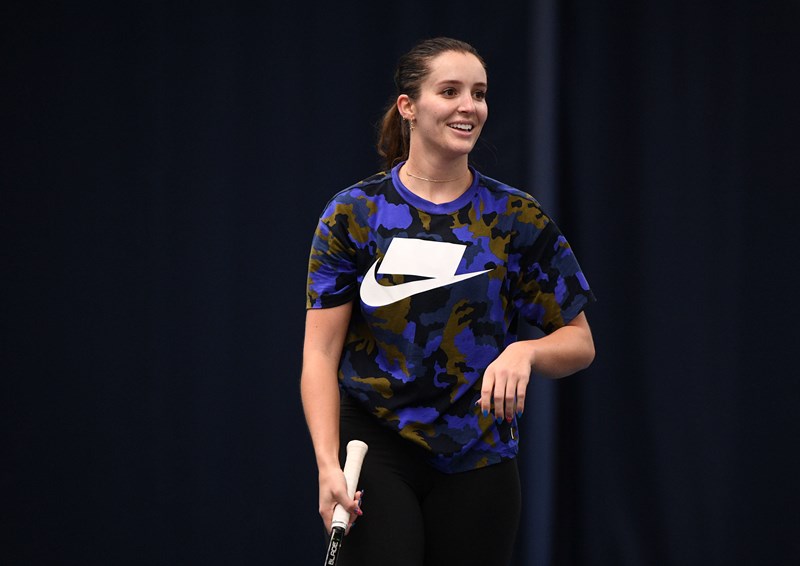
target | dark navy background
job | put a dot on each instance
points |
(162, 168)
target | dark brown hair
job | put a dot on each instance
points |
(412, 69)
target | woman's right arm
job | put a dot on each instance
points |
(324, 339)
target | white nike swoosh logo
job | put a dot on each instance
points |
(409, 256)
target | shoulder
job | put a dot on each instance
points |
(363, 190)
(358, 195)
(514, 201)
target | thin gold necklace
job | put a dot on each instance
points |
(436, 180)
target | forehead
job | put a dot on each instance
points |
(454, 66)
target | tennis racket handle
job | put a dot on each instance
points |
(356, 450)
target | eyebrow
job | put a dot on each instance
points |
(455, 82)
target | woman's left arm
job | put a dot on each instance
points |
(561, 353)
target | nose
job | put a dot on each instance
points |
(466, 103)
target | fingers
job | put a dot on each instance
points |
(355, 511)
(522, 387)
(327, 519)
(353, 507)
(504, 392)
(487, 389)
(498, 391)
(500, 398)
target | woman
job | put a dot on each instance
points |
(417, 278)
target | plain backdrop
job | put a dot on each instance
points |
(162, 168)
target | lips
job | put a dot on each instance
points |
(460, 126)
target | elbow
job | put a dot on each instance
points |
(587, 354)
(583, 351)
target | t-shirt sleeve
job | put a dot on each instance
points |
(332, 271)
(551, 288)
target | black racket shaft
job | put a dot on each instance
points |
(335, 544)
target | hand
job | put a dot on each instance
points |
(505, 382)
(333, 491)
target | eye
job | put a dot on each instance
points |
(480, 95)
(449, 91)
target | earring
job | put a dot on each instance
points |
(411, 124)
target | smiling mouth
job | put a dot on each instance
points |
(461, 127)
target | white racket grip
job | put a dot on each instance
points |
(356, 450)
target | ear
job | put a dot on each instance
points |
(405, 106)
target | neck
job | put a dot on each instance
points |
(436, 171)
(421, 178)
(435, 184)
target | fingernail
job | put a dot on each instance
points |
(519, 414)
(509, 419)
(485, 413)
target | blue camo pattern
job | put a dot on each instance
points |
(416, 364)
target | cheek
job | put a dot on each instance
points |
(441, 114)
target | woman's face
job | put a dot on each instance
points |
(451, 108)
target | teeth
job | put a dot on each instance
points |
(465, 127)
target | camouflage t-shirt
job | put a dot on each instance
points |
(438, 291)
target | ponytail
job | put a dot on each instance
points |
(393, 137)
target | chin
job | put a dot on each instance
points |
(463, 150)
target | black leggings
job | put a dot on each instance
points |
(415, 515)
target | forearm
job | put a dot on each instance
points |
(561, 353)
(320, 394)
(319, 387)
